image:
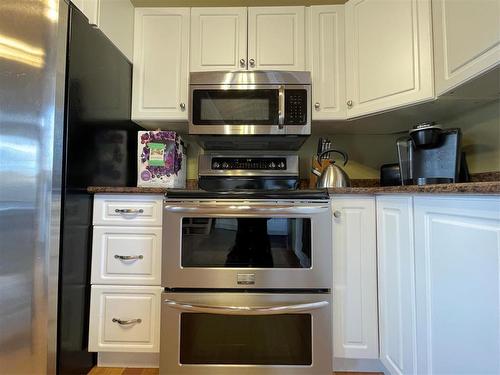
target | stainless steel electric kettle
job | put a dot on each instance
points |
(332, 176)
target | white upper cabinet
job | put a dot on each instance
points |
(276, 38)
(389, 54)
(327, 63)
(218, 39)
(161, 48)
(90, 8)
(396, 284)
(457, 252)
(466, 40)
(116, 20)
(355, 321)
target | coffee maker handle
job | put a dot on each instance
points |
(344, 155)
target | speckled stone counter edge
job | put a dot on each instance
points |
(482, 183)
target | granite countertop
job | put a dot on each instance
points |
(488, 187)
(475, 187)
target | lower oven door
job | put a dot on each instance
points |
(242, 244)
(246, 333)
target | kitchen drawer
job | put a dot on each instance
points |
(124, 319)
(126, 255)
(120, 209)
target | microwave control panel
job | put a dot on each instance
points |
(295, 106)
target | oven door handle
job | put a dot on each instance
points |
(247, 209)
(245, 310)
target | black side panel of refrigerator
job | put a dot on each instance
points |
(100, 149)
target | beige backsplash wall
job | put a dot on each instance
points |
(481, 137)
(366, 153)
(481, 142)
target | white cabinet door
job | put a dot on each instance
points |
(355, 322)
(457, 252)
(116, 20)
(126, 255)
(396, 284)
(327, 62)
(389, 54)
(276, 38)
(128, 210)
(218, 38)
(160, 81)
(466, 40)
(124, 318)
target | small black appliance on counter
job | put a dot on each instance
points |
(431, 155)
(390, 175)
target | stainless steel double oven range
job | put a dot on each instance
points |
(247, 272)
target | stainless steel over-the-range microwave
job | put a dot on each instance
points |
(250, 103)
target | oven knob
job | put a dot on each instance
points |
(282, 165)
(272, 165)
(215, 165)
(225, 165)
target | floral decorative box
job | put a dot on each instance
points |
(161, 159)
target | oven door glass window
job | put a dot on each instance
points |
(235, 107)
(246, 340)
(246, 242)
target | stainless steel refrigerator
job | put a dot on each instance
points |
(65, 93)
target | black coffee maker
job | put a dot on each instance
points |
(432, 155)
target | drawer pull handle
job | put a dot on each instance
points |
(129, 211)
(128, 257)
(126, 322)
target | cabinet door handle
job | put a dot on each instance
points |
(129, 211)
(128, 257)
(242, 63)
(183, 106)
(316, 105)
(349, 103)
(126, 322)
(337, 214)
(252, 62)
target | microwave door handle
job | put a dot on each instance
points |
(281, 107)
(245, 310)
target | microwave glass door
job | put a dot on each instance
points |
(235, 107)
(247, 340)
(246, 242)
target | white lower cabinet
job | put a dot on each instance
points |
(126, 278)
(124, 255)
(125, 318)
(457, 267)
(355, 321)
(439, 289)
(396, 284)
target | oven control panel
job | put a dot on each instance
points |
(249, 163)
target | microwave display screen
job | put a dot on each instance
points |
(235, 107)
